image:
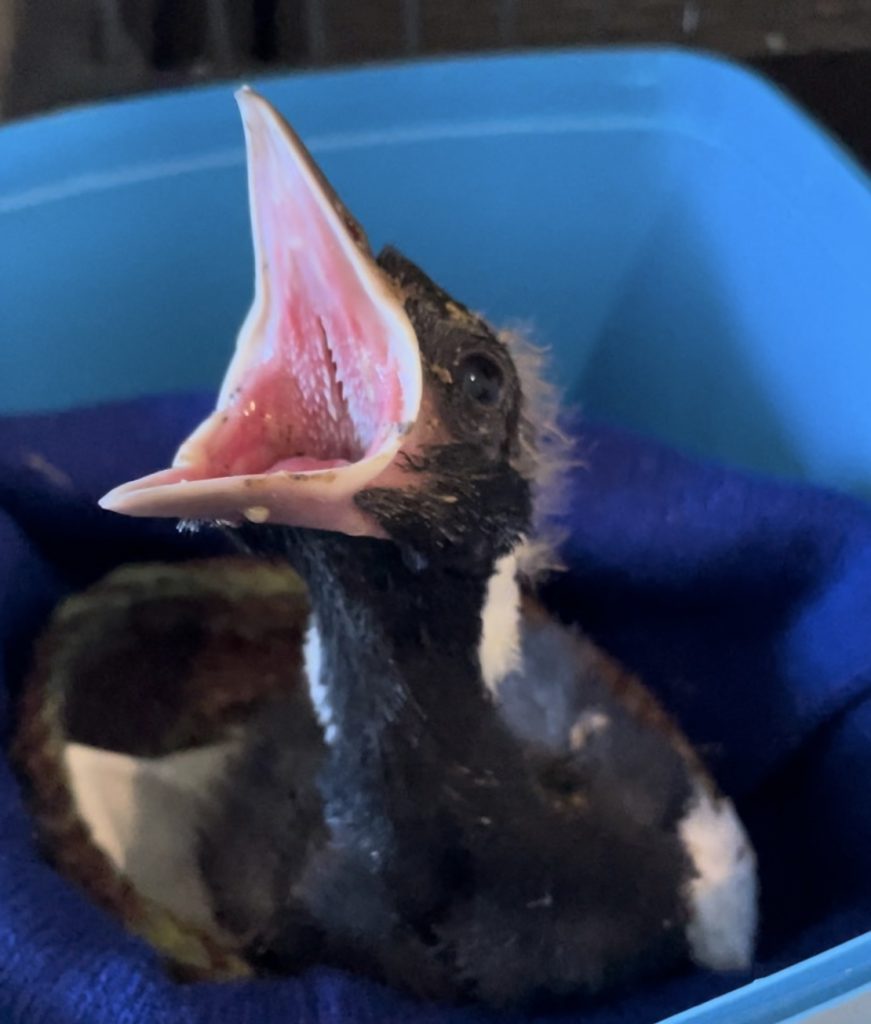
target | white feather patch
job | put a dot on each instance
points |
(313, 659)
(499, 649)
(723, 895)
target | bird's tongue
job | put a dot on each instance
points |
(325, 381)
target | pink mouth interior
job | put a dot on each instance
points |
(323, 385)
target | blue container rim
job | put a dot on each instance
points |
(832, 977)
(679, 57)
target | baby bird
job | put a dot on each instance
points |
(467, 799)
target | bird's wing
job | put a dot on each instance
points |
(603, 737)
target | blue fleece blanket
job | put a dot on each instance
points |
(745, 603)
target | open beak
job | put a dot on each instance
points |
(325, 382)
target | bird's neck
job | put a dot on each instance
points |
(416, 750)
(398, 651)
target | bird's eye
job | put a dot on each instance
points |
(481, 379)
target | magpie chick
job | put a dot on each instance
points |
(467, 800)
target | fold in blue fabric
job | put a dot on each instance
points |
(744, 603)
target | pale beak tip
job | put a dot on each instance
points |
(251, 104)
(112, 501)
(125, 499)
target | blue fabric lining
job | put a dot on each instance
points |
(745, 603)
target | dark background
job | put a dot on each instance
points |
(55, 52)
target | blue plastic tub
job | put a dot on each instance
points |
(694, 250)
